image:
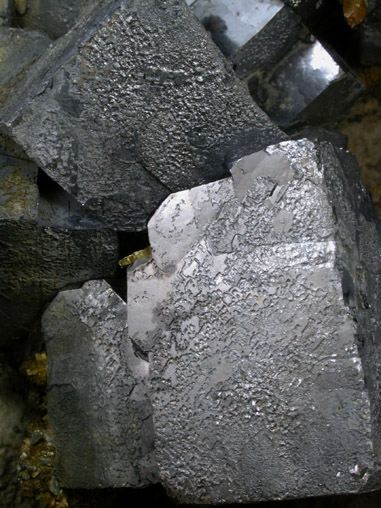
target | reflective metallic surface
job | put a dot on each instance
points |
(303, 74)
(232, 24)
(99, 409)
(121, 125)
(307, 85)
(251, 309)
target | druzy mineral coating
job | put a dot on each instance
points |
(133, 103)
(264, 353)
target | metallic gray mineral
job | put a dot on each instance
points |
(98, 406)
(233, 24)
(289, 74)
(18, 50)
(260, 311)
(53, 17)
(133, 103)
(46, 244)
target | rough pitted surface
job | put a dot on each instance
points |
(258, 385)
(292, 77)
(135, 102)
(18, 50)
(232, 24)
(98, 404)
(39, 259)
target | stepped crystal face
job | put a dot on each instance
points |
(264, 349)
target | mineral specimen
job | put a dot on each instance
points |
(289, 73)
(320, 134)
(307, 85)
(135, 102)
(45, 245)
(18, 50)
(260, 311)
(98, 407)
(53, 17)
(233, 24)
(13, 424)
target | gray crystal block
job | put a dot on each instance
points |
(98, 406)
(18, 50)
(233, 24)
(253, 35)
(135, 102)
(269, 45)
(307, 85)
(42, 253)
(260, 310)
(289, 74)
(53, 17)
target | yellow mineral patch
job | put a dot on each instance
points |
(35, 467)
(36, 369)
(136, 256)
(36, 457)
(20, 196)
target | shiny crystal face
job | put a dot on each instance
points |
(254, 363)
(232, 24)
(305, 73)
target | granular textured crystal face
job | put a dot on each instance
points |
(134, 103)
(232, 24)
(259, 338)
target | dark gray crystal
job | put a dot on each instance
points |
(53, 17)
(19, 49)
(289, 74)
(40, 255)
(98, 405)
(133, 103)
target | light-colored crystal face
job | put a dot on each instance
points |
(243, 312)
(235, 22)
(302, 76)
(320, 60)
